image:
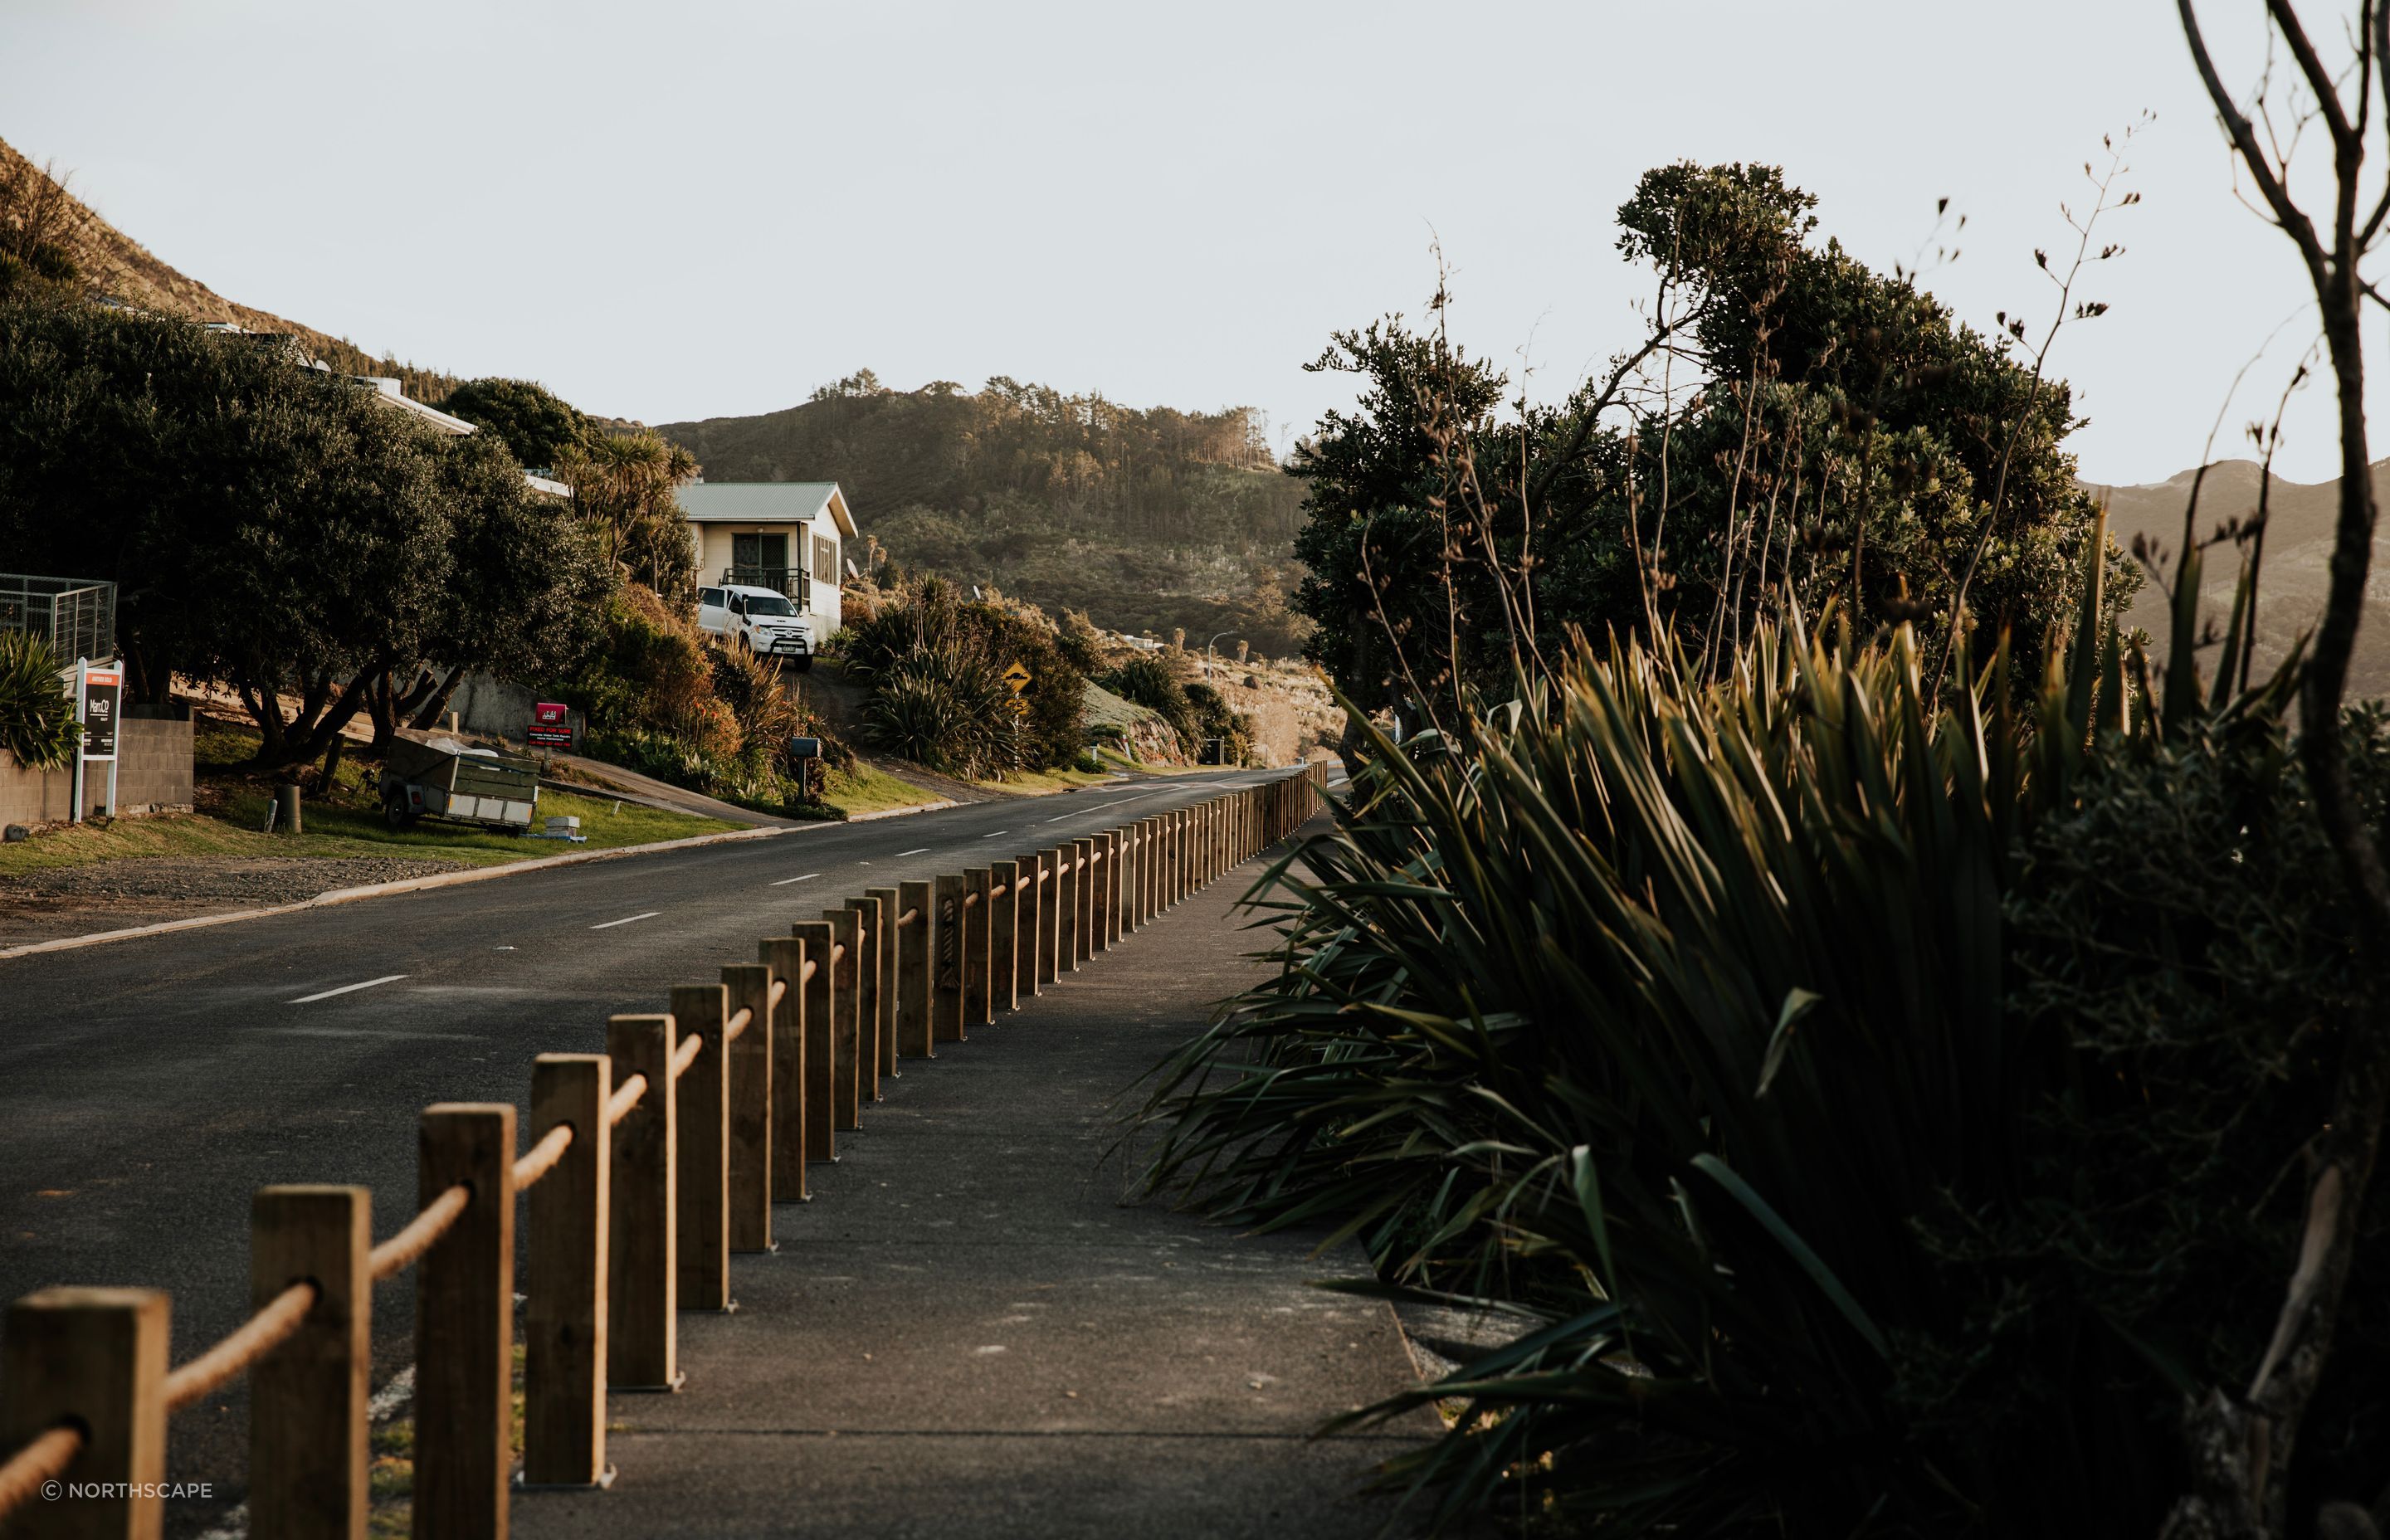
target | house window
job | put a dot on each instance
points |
(825, 559)
(760, 559)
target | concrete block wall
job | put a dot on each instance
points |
(153, 775)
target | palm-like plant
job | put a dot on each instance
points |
(37, 719)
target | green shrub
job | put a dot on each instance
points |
(935, 664)
(1873, 1116)
(1158, 682)
(37, 716)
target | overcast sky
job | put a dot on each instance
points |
(700, 209)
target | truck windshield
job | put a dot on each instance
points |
(767, 604)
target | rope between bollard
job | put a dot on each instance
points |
(541, 1157)
(907, 917)
(837, 951)
(779, 990)
(739, 1022)
(686, 1055)
(45, 1458)
(626, 1096)
(811, 967)
(244, 1346)
(399, 1251)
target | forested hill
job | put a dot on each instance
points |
(1147, 519)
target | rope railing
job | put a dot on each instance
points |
(45, 1460)
(398, 1253)
(613, 1190)
(244, 1346)
(541, 1157)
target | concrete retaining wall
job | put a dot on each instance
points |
(153, 775)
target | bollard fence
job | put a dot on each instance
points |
(649, 1166)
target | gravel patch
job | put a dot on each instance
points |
(253, 879)
(112, 896)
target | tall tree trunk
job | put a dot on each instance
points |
(430, 711)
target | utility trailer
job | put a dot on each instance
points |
(442, 779)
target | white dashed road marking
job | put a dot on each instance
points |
(347, 989)
(626, 919)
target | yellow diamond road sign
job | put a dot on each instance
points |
(1016, 676)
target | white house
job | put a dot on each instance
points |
(789, 535)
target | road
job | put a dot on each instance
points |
(148, 1086)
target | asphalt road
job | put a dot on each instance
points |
(148, 1086)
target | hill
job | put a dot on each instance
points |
(2298, 550)
(1147, 519)
(112, 265)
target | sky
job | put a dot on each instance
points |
(712, 207)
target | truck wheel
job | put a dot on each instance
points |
(803, 662)
(396, 811)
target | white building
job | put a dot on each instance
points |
(789, 535)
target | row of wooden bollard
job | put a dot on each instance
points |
(650, 1165)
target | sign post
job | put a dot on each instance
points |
(551, 726)
(1017, 677)
(98, 696)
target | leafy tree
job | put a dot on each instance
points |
(540, 427)
(1833, 435)
(270, 526)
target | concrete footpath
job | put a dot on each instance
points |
(968, 1333)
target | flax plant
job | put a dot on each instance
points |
(1651, 1013)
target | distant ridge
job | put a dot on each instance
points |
(2295, 580)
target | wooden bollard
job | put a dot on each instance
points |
(786, 957)
(1050, 912)
(889, 989)
(464, 1324)
(1003, 934)
(946, 943)
(871, 1057)
(749, 985)
(1099, 894)
(1083, 894)
(1141, 893)
(846, 1018)
(979, 927)
(564, 1282)
(1066, 908)
(307, 1397)
(95, 1357)
(1029, 903)
(1157, 841)
(1114, 861)
(913, 971)
(821, 1048)
(701, 1164)
(642, 1333)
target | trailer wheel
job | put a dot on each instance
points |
(396, 811)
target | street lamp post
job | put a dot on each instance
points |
(1207, 653)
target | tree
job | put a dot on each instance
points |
(623, 484)
(541, 428)
(2241, 1438)
(272, 527)
(1818, 432)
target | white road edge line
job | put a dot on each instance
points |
(786, 881)
(997, 835)
(901, 854)
(347, 989)
(626, 919)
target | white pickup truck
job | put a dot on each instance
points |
(761, 620)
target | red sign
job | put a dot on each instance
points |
(551, 727)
